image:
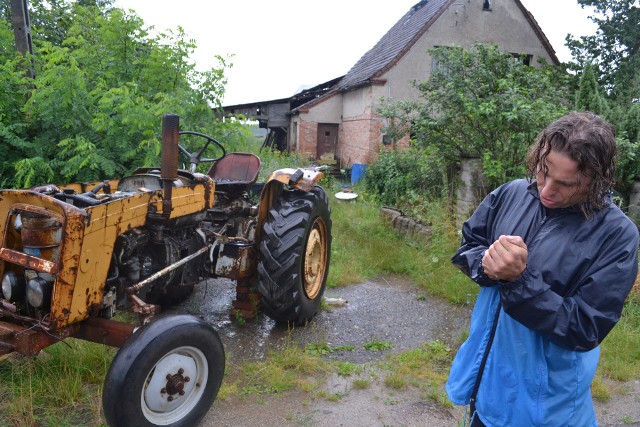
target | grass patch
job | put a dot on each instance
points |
(322, 348)
(347, 369)
(599, 390)
(425, 368)
(283, 370)
(361, 384)
(377, 345)
(395, 380)
(60, 386)
(361, 245)
(331, 397)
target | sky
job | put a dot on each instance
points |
(282, 46)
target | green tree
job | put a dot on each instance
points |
(102, 84)
(614, 52)
(589, 95)
(14, 88)
(614, 49)
(483, 102)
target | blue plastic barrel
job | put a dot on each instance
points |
(357, 172)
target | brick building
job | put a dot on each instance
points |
(337, 122)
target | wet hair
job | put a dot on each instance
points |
(588, 140)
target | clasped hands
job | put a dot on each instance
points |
(506, 258)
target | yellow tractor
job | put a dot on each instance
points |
(71, 255)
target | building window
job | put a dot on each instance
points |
(524, 57)
(440, 68)
(486, 5)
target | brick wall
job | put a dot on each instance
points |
(359, 139)
(307, 138)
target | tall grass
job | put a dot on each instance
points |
(364, 247)
(61, 386)
(620, 350)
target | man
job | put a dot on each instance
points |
(555, 260)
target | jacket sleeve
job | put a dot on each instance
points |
(476, 240)
(582, 318)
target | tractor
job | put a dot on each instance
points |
(73, 255)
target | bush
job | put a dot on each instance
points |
(406, 177)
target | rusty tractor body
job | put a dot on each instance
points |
(72, 255)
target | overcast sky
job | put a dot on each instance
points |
(280, 46)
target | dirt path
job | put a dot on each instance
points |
(389, 309)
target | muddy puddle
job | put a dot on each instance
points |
(388, 309)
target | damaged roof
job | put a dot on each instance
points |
(393, 44)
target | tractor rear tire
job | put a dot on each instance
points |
(294, 255)
(167, 373)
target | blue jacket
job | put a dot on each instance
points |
(540, 334)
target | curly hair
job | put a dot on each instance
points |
(588, 140)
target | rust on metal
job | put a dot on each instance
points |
(303, 179)
(169, 161)
(145, 310)
(29, 261)
(175, 383)
(23, 207)
(27, 341)
(236, 260)
(104, 331)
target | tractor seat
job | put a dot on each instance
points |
(235, 172)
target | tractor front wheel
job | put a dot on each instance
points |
(294, 255)
(168, 373)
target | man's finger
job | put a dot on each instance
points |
(516, 240)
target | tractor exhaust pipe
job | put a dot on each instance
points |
(169, 165)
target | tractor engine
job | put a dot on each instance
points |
(141, 253)
(233, 216)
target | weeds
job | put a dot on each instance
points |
(346, 369)
(365, 247)
(361, 384)
(322, 348)
(376, 345)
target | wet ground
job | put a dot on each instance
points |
(387, 309)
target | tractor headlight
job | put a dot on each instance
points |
(12, 286)
(39, 292)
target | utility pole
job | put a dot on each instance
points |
(22, 29)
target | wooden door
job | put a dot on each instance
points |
(327, 141)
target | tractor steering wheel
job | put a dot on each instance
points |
(196, 158)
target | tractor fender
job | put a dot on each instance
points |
(301, 179)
